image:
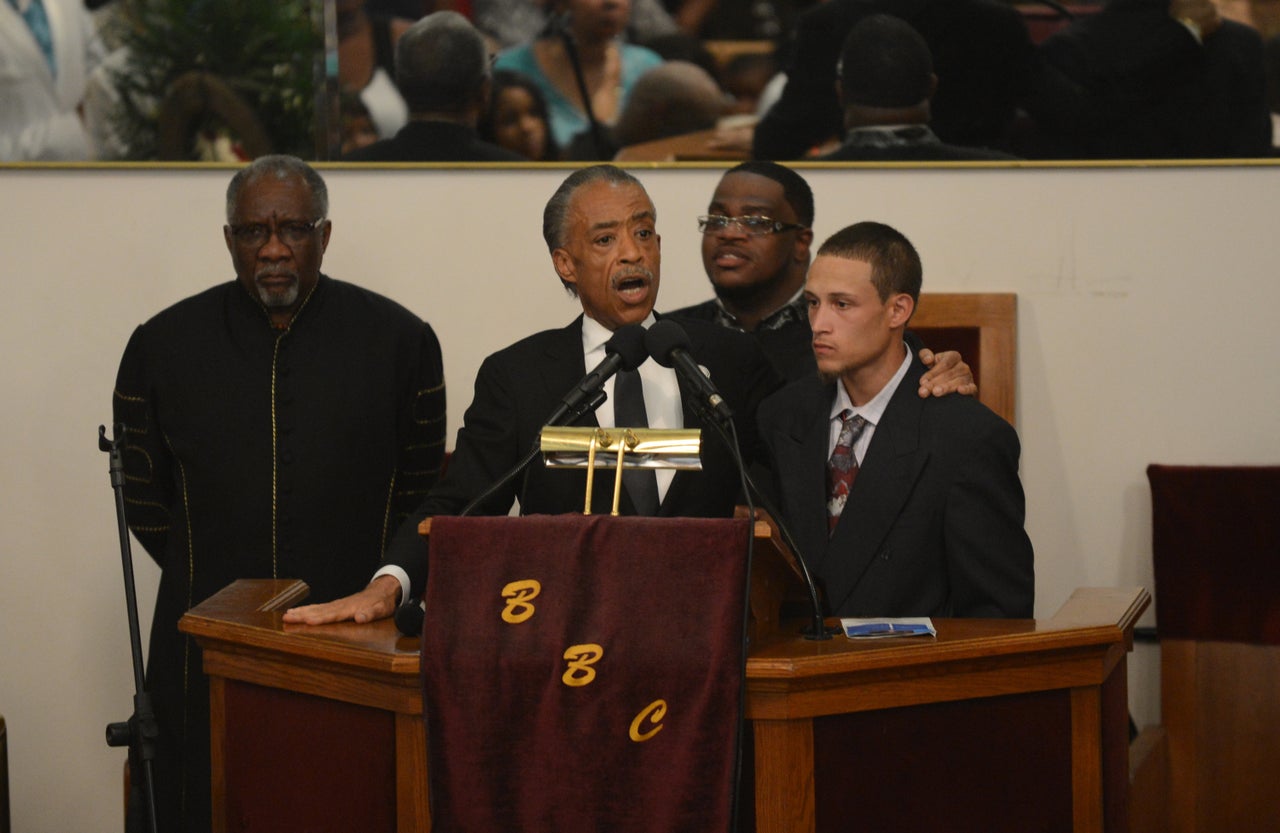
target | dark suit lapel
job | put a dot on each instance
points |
(886, 477)
(563, 367)
(804, 487)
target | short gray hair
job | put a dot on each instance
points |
(283, 168)
(555, 215)
(442, 63)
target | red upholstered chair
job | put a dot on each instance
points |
(1216, 548)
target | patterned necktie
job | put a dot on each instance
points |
(842, 468)
(38, 22)
(629, 412)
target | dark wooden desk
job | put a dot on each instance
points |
(992, 724)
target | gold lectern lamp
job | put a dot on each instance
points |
(619, 448)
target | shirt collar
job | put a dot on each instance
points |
(794, 309)
(595, 334)
(873, 410)
(891, 136)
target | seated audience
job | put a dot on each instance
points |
(366, 63)
(669, 100)
(886, 84)
(587, 51)
(1161, 79)
(739, 20)
(901, 506)
(510, 23)
(355, 125)
(516, 118)
(981, 48)
(442, 66)
(48, 48)
(745, 78)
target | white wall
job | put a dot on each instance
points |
(1147, 332)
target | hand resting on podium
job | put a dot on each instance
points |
(376, 601)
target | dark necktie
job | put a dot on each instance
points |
(38, 22)
(842, 468)
(629, 412)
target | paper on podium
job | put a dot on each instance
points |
(880, 628)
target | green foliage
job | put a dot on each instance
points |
(266, 51)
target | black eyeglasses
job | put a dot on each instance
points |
(755, 226)
(290, 232)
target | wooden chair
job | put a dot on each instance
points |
(984, 328)
(1211, 765)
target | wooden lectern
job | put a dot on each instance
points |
(994, 725)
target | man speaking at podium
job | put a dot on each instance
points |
(600, 227)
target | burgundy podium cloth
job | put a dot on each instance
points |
(584, 673)
(1216, 548)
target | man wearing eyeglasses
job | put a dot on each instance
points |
(278, 425)
(756, 238)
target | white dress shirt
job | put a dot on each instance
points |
(872, 412)
(661, 390)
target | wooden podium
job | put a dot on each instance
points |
(994, 725)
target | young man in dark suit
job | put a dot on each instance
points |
(931, 521)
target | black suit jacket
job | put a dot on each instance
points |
(1144, 88)
(433, 141)
(516, 391)
(933, 524)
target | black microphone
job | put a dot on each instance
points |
(625, 350)
(409, 618)
(668, 343)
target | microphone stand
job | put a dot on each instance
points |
(141, 732)
(587, 406)
(409, 615)
(817, 629)
(729, 433)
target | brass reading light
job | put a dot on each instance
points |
(619, 448)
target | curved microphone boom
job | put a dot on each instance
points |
(625, 350)
(669, 344)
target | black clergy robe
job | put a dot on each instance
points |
(262, 453)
